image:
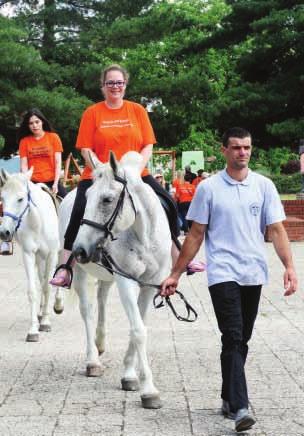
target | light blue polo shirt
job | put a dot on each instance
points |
(236, 214)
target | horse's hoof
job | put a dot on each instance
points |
(45, 328)
(94, 371)
(32, 337)
(129, 384)
(57, 310)
(151, 402)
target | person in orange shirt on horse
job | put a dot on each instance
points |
(119, 125)
(41, 148)
(184, 194)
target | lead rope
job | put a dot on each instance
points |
(163, 300)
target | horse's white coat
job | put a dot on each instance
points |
(38, 237)
(142, 249)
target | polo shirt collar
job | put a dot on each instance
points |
(232, 181)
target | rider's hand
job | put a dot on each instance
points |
(168, 286)
(55, 188)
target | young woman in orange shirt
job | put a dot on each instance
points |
(40, 147)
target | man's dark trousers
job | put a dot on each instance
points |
(235, 308)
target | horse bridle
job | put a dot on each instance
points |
(107, 227)
(19, 218)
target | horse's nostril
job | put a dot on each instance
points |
(7, 233)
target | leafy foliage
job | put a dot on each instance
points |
(200, 66)
(287, 184)
(265, 39)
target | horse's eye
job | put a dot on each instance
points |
(107, 200)
(19, 200)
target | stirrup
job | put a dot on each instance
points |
(195, 266)
(68, 282)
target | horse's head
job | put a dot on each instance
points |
(14, 197)
(110, 208)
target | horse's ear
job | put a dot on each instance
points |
(3, 177)
(29, 173)
(93, 159)
(113, 162)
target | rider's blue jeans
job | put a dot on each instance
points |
(236, 309)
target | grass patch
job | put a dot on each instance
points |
(288, 196)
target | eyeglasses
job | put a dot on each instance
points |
(113, 83)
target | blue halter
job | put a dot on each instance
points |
(19, 218)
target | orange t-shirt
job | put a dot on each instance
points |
(40, 154)
(175, 185)
(120, 130)
(185, 192)
(197, 180)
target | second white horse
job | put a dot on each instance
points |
(29, 215)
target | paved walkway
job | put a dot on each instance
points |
(44, 391)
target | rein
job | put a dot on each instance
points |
(109, 262)
(108, 265)
(19, 218)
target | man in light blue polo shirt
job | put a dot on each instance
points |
(231, 210)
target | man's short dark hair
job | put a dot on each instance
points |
(235, 132)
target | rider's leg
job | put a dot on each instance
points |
(63, 274)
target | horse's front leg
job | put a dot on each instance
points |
(102, 296)
(86, 311)
(59, 294)
(130, 381)
(45, 264)
(59, 301)
(29, 264)
(128, 291)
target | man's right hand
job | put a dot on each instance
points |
(168, 286)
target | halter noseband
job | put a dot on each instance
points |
(19, 218)
(107, 227)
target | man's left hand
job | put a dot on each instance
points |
(290, 282)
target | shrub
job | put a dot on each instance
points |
(291, 167)
(287, 184)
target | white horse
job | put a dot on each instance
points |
(29, 215)
(125, 222)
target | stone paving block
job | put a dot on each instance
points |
(79, 425)
(27, 426)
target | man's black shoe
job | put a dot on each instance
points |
(243, 421)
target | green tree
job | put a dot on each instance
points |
(27, 81)
(72, 41)
(265, 39)
(179, 89)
